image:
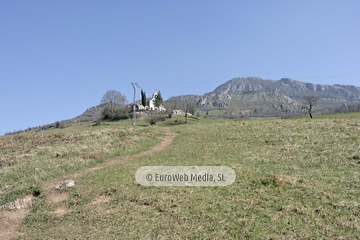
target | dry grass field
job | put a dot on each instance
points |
(296, 179)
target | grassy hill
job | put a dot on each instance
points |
(296, 179)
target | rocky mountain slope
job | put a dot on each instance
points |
(289, 87)
(258, 97)
(254, 95)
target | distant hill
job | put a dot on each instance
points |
(91, 114)
(252, 97)
(289, 87)
(256, 96)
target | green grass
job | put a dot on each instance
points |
(213, 113)
(31, 159)
(296, 179)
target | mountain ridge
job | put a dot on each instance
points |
(265, 97)
(253, 96)
(273, 96)
(285, 86)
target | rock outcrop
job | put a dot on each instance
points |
(65, 184)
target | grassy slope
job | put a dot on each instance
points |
(32, 159)
(296, 178)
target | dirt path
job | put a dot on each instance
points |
(10, 221)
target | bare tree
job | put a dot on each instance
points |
(114, 101)
(172, 104)
(113, 97)
(188, 107)
(191, 107)
(347, 108)
(309, 105)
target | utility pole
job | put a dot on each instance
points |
(135, 86)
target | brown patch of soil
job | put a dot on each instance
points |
(100, 199)
(10, 222)
(56, 196)
(60, 211)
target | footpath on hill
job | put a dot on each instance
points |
(11, 220)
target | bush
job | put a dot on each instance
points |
(156, 118)
(116, 114)
(177, 122)
(347, 108)
(152, 121)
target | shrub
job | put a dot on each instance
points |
(115, 114)
(155, 118)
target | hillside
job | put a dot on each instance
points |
(289, 87)
(254, 96)
(261, 97)
(249, 97)
(295, 179)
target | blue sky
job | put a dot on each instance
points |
(57, 58)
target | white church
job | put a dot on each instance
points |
(150, 105)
